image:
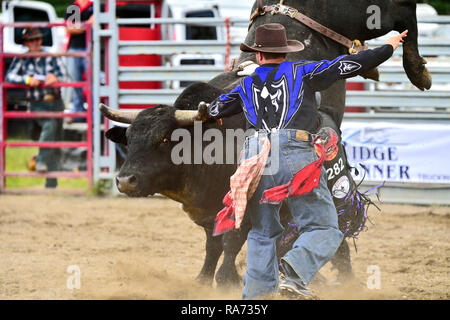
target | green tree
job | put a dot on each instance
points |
(441, 6)
(60, 6)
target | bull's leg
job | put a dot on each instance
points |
(341, 261)
(214, 249)
(232, 243)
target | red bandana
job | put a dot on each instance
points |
(244, 182)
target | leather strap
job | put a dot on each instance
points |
(259, 11)
(353, 46)
(302, 135)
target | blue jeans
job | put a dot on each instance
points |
(314, 214)
(51, 130)
(76, 67)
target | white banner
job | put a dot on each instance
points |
(397, 152)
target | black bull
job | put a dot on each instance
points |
(149, 169)
(351, 19)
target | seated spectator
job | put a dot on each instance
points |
(36, 72)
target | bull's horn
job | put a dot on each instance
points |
(117, 115)
(187, 117)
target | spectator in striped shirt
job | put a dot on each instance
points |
(38, 73)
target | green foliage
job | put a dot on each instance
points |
(101, 188)
(60, 6)
(441, 6)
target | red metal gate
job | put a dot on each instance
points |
(5, 114)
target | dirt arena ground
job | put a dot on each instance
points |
(149, 249)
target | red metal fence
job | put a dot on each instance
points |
(5, 114)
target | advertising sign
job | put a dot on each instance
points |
(397, 152)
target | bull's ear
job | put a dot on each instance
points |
(117, 134)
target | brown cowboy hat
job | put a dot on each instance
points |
(30, 34)
(271, 38)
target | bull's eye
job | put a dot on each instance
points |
(165, 140)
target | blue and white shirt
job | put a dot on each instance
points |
(22, 68)
(292, 90)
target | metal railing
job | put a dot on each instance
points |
(204, 73)
(433, 101)
(5, 114)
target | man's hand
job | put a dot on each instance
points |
(80, 30)
(203, 111)
(246, 68)
(395, 40)
(33, 82)
(75, 31)
(51, 79)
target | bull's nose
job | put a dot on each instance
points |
(126, 184)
